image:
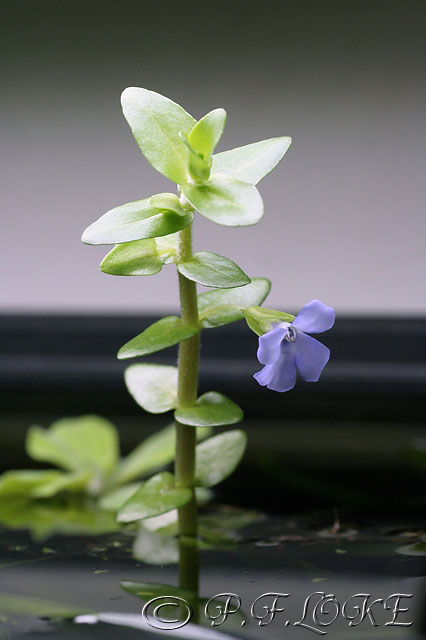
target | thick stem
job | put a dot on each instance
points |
(187, 394)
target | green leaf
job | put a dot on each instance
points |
(225, 200)
(155, 122)
(253, 161)
(221, 307)
(152, 386)
(150, 590)
(86, 442)
(212, 409)
(137, 258)
(24, 483)
(46, 518)
(212, 270)
(75, 482)
(155, 451)
(19, 605)
(217, 457)
(197, 166)
(167, 248)
(261, 320)
(158, 215)
(154, 497)
(207, 132)
(113, 500)
(160, 335)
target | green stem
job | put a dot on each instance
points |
(187, 394)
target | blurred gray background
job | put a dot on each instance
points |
(344, 211)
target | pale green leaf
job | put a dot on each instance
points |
(152, 386)
(217, 457)
(155, 122)
(153, 452)
(213, 270)
(148, 218)
(212, 409)
(253, 161)
(74, 482)
(162, 334)
(225, 200)
(208, 131)
(24, 483)
(16, 604)
(221, 306)
(167, 247)
(261, 320)
(113, 500)
(46, 518)
(197, 166)
(137, 258)
(86, 442)
(157, 495)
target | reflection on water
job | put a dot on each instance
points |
(48, 586)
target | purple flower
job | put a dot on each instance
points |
(287, 348)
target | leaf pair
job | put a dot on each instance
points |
(153, 217)
(154, 388)
(215, 308)
(221, 187)
(216, 458)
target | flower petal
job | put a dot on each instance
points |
(269, 345)
(314, 317)
(311, 357)
(281, 374)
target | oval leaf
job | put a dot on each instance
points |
(226, 201)
(86, 442)
(167, 248)
(213, 270)
(155, 122)
(197, 167)
(212, 409)
(253, 161)
(157, 495)
(152, 386)
(137, 258)
(160, 335)
(155, 451)
(149, 218)
(217, 457)
(207, 132)
(221, 307)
